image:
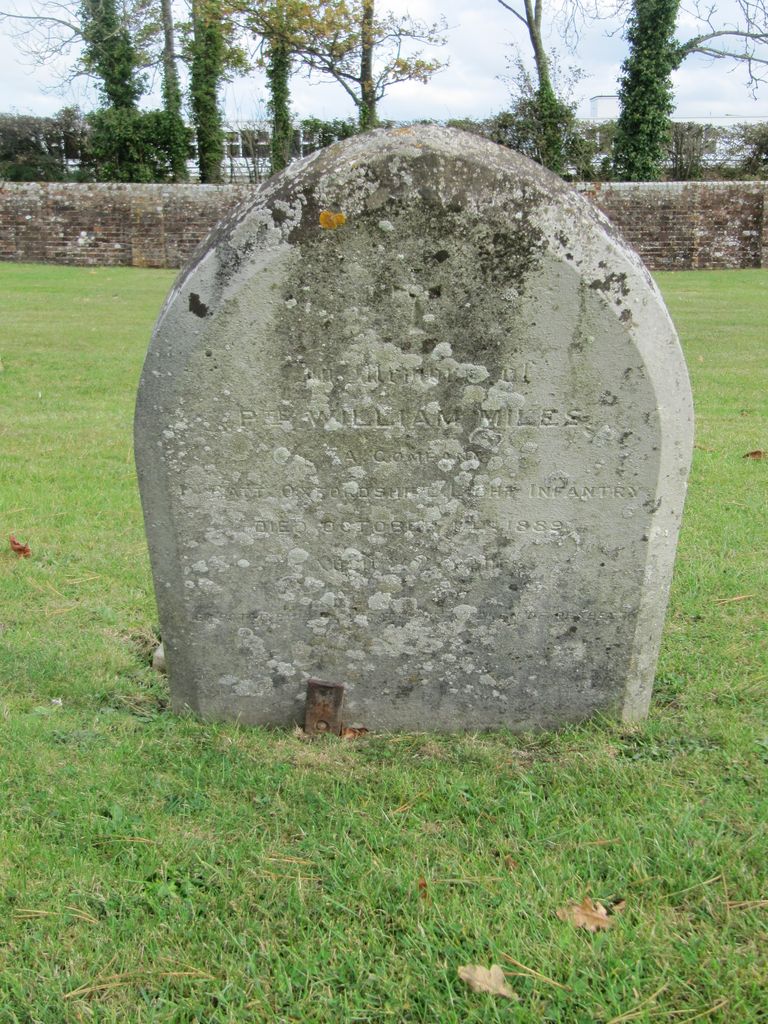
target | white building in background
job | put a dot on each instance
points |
(608, 108)
(246, 153)
(247, 146)
(696, 142)
(247, 143)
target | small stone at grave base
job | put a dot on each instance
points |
(414, 419)
(158, 659)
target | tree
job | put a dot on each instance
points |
(645, 92)
(40, 148)
(316, 134)
(46, 30)
(689, 146)
(365, 53)
(367, 109)
(126, 144)
(742, 41)
(548, 114)
(279, 25)
(735, 30)
(644, 128)
(340, 39)
(543, 126)
(178, 135)
(113, 44)
(745, 151)
(278, 75)
(117, 140)
(206, 53)
(110, 55)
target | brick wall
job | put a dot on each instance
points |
(674, 226)
(695, 225)
(109, 225)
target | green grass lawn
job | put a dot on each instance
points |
(156, 869)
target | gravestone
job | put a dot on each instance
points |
(414, 420)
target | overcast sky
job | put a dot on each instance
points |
(480, 39)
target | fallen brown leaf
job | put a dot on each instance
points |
(757, 454)
(351, 732)
(22, 550)
(480, 979)
(589, 914)
(422, 887)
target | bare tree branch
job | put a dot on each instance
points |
(746, 57)
(11, 16)
(695, 45)
(512, 10)
(742, 23)
(339, 54)
(53, 30)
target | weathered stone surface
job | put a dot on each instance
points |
(158, 659)
(416, 421)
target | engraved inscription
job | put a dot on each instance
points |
(582, 491)
(357, 397)
(378, 417)
(446, 370)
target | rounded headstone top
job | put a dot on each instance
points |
(420, 168)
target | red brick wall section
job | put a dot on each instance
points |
(673, 225)
(110, 225)
(693, 225)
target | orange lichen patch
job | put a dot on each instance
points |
(331, 220)
(404, 131)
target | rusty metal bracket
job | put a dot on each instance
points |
(322, 716)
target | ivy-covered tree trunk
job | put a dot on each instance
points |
(176, 130)
(551, 114)
(645, 91)
(206, 70)
(110, 54)
(115, 133)
(548, 110)
(278, 73)
(367, 111)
